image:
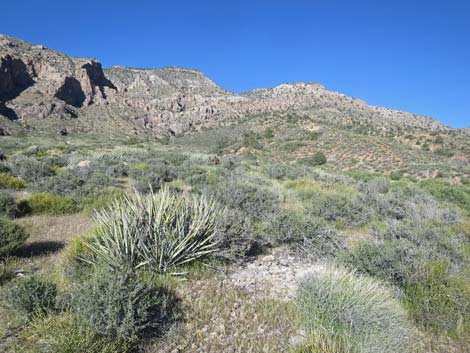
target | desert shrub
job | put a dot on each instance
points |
(282, 172)
(413, 204)
(159, 231)
(74, 255)
(29, 297)
(458, 195)
(375, 186)
(439, 300)
(153, 176)
(305, 233)
(117, 170)
(340, 208)
(394, 262)
(402, 246)
(428, 262)
(66, 333)
(427, 240)
(7, 270)
(41, 203)
(230, 163)
(117, 304)
(4, 168)
(173, 158)
(252, 139)
(101, 200)
(305, 189)
(357, 311)
(31, 168)
(192, 173)
(292, 146)
(11, 182)
(318, 158)
(8, 206)
(254, 200)
(77, 183)
(220, 144)
(12, 237)
(237, 238)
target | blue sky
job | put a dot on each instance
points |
(407, 55)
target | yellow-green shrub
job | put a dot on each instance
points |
(11, 182)
(42, 203)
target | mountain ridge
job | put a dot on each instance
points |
(40, 83)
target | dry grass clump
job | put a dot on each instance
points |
(356, 312)
(222, 318)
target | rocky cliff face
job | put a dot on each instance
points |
(38, 83)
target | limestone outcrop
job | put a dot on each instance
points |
(39, 83)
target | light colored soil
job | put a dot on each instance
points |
(276, 275)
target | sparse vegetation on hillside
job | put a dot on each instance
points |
(150, 237)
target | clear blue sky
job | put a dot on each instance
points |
(408, 55)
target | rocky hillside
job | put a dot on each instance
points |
(38, 84)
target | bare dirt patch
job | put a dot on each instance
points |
(276, 275)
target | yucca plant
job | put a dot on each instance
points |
(159, 231)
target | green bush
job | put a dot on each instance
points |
(158, 231)
(73, 255)
(401, 247)
(237, 238)
(29, 297)
(31, 168)
(458, 195)
(256, 201)
(318, 158)
(305, 233)
(12, 237)
(152, 177)
(117, 304)
(77, 183)
(11, 182)
(356, 311)
(66, 333)
(410, 203)
(4, 168)
(101, 200)
(8, 206)
(394, 262)
(439, 300)
(430, 263)
(41, 203)
(340, 208)
(7, 270)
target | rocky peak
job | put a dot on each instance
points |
(37, 82)
(40, 81)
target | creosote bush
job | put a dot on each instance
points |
(31, 168)
(439, 300)
(8, 207)
(30, 296)
(7, 270)
(158, 231)
(318, 158)
(254, 198)
(304, 232)
(358, 312)
(118, 304)
(12, 237)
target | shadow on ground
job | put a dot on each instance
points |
(40, 248)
